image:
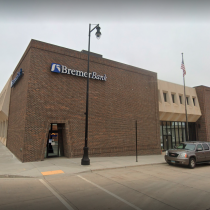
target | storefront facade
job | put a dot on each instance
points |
(46, 116)
(49, 100)
(172, 114)
(173, 133)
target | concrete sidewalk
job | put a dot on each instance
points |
(10, 166)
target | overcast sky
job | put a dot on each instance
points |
(146, 34)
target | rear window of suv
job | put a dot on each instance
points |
(186, 146)
(205, 146)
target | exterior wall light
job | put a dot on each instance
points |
(98, 32)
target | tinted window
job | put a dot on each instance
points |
(205, 146)
(199, 146)
(186, 146)
(180, 98)
(164, 96)
(187, 98)
(173, 98)
(194, 101)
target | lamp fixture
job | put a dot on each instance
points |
(98, 32)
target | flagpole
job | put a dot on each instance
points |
(186, 131)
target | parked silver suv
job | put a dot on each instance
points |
(189, 153)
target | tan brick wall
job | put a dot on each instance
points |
(129, 94)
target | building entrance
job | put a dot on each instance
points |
(173, 133)
(167, 142)
(54, 146)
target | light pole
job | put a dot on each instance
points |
(85, 160)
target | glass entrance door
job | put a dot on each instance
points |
(53, 144)
(167, 144)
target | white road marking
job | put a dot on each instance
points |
(56, 195)
(110, 193)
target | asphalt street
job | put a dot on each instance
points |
(149, 187)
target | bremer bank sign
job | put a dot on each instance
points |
(57, 68)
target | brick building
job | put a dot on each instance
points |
(46, 105)
(203, 123)
(46, 110)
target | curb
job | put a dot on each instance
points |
(102, 169)
(85, 171)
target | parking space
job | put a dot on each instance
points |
(148, 187)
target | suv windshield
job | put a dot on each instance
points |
(186, 146)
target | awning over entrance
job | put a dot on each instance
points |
(178, 117)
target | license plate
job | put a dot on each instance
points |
(172, 161)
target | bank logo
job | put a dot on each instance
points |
(56, 68)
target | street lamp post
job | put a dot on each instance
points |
(85, 160)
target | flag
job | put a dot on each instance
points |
(183, 67)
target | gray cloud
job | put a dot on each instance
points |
(132, 10)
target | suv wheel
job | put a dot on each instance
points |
(192, 163)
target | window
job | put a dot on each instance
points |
(169, 128)
(187, 99)
(180, 132)
(180, 99)
(186, 147)
(194, 101)
(164, 128)
(161, 139)
(177, 132)
(205, 146)
(173, 98)
(199, 147)
(165, 97)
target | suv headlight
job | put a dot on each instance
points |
(183, 155)
(167, 152)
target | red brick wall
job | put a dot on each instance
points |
(17, 110)
(129, 94)
(203, 124)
